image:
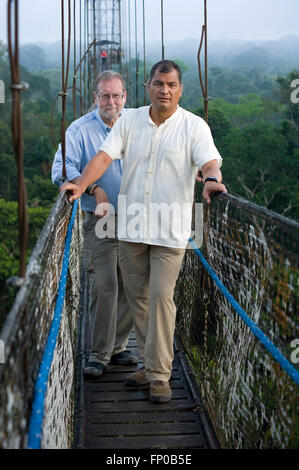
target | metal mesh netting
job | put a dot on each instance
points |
(25, 333)
(252, 402)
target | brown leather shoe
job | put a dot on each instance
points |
(160, 392)
(137, 378)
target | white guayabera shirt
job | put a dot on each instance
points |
(159, 170)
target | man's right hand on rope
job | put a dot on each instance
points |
(95, 168)
(74, 189)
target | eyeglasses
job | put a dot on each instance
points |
(106, 97)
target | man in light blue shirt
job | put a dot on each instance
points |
(110, 316)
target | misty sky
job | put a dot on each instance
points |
(235, 19)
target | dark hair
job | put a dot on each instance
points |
(165, 66)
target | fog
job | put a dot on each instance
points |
(230, 19)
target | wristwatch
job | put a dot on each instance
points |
(90, 189)
(210, 178)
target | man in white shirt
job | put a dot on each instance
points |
(162, 146)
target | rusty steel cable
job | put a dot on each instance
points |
(144, 60)
(129, 67)
(53, 109)
(162, 30)
(136, 59)
(94, 59)
(74, 96)
(204, 86)
(64, 80)
(63, 92)
(80, 49)
(120, 37)
(17, 131)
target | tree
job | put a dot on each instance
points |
(284, 96)
(9, 247)
(218, 122)
(259, 167)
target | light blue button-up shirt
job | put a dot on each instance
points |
(83, 140)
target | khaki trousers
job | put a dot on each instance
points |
(111, 320)
(150, 273)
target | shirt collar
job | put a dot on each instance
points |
(172, 117)
(101, 122)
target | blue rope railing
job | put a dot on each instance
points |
(37, 414)
(271, 348)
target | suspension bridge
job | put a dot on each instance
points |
(234, 383)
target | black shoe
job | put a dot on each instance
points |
(124, 358)
(94, 368)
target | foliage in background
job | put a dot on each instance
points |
(9, 246)
(254, 123)
(258, 140)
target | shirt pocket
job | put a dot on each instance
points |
(172, 162)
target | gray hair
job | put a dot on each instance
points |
(107, 75)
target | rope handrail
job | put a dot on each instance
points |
(285, 223)
(37, 414)
(271, 348)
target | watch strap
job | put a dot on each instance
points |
(89, 190)
(211, 178)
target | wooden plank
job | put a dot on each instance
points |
(143, 417)
(120, 376)
(146, 405)
(143, 429)
(100, 386)
(94, 396)
(121, 417)
(146, 442)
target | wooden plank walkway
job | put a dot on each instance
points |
(110, 415)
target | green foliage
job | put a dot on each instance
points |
(259, 146)
(38, 157)
(258, 166)
(220, 125)
(41, 192)
(292, 108)
(9, 246)
(253, 121)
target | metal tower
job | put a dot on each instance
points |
(104, 27)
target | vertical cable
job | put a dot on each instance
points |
(86, 58)
(124, 35)
(64, 81)
(62, 88)
(80, 49)
(17, 132)
(94, 67)
(136, 59)
(74, 74)
(144, 62)
(162, 29)
(204, 87)
(206, 62)
(129, 66)
(120, 39)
